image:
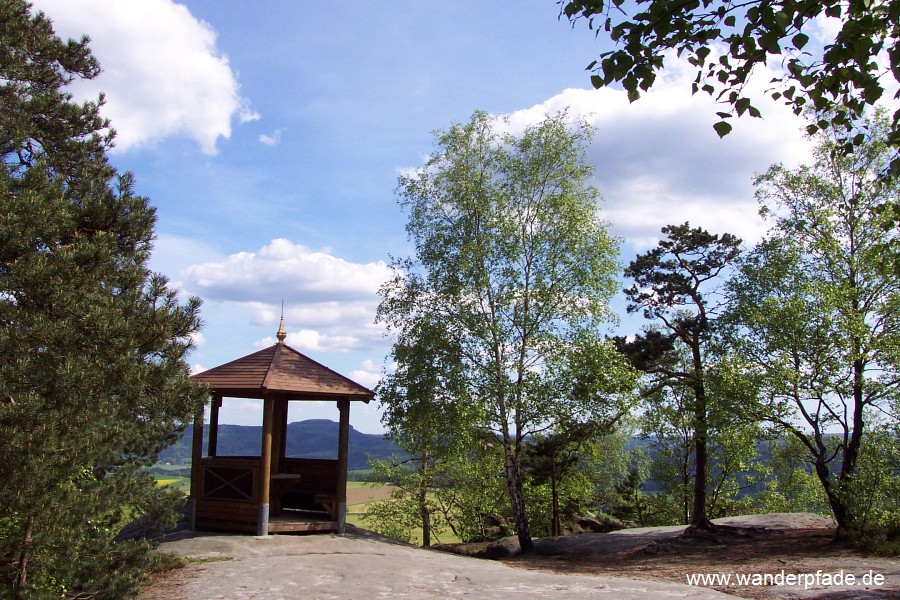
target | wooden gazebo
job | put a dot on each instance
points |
(272, 493)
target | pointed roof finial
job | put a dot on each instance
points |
(281, 332)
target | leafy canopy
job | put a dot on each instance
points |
(513, 269)
(815, 309)
(726, 41)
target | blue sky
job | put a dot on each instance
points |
(269, 135)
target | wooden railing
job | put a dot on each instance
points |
(230, 479)
(229, 492)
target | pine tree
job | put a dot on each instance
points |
(93, 378)
(675, 286)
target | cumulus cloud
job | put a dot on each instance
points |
(162, 73)
(286, 270)
(659, 161)
(329, 302)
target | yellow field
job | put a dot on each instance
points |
(182, 483)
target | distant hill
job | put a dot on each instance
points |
(313, 438)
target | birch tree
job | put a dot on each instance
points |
(514, 265)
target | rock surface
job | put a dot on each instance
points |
(616, 541)
(362, 565)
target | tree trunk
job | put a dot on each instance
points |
(426, 521)
(555, 526)
(851, 453)
(837, 492)
(423, 501)
(699, 519)
(21, 572)
(517, 499)
(837, 503)
(698, 514)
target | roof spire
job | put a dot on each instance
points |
(281, 332)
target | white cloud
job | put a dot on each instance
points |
(313, 340)
(660, 162)
(270, 140)
(366, 378)
(162, 73)
(284, 270)
(329, 302)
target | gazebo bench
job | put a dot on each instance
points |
(310, 499)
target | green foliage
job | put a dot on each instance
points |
(93, 381)
(557, 475)
(398, 516)
(839, 80)
(815, 312)
(573, 496)
(668, 426)
(513, 273)
(633, 505)
(608, 459)
(874, 493)
(410, 507)
(463, 495)
(473, 497)
(792, 485)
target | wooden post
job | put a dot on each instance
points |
(343, 451)
(279, 425)
(196, 469)
(214, 407)
(282, 443)
(265, 467)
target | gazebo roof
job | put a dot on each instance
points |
(281, 370)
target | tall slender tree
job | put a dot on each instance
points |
(93, 381)
(513, 265)
(818, 311)
(676, 286)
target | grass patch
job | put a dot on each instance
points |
(163, 562)
(208, 559)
